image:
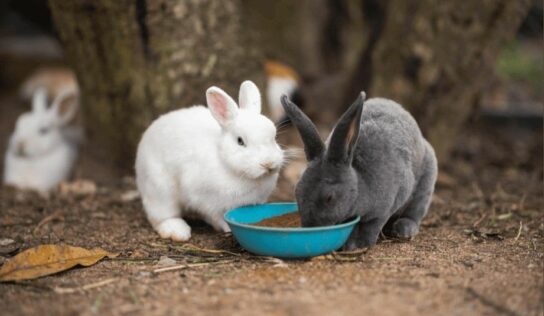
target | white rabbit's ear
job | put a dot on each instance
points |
(65, 106)
(249, 97)
(39, 100)
(221, 105)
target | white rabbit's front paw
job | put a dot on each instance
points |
(175, 229)
(224, 226)
(219, 224)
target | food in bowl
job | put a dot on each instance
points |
(286, 220)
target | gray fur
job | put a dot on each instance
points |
(385, 171)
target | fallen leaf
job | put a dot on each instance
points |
(479, 235)
(69, 290)
(445, 180)
(48, 259)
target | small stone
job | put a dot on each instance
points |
(144, 273)
(130, 195)
(165, 261)
(6, 241)
(78, 187)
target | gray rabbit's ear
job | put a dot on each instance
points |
(346, 132)
(313, 145)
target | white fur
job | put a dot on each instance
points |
(189, 160)
(276, 87)
(38, 156)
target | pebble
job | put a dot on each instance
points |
(6, 241)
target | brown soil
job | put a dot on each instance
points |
(285, 220)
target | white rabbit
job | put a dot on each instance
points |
(207, 161)
(39, 156)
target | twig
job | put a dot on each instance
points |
(70, 290)
(345, 258)
(189, 265)
(519, 231)
(278, 263)
(55, 215)
(132, 259)
(484, 300)
(391, 258)
(477, 222)
(352, 255)
(33, 285)
(352, 252)
(191, 247)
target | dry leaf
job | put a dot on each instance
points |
(48, 259)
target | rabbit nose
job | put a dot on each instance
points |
(268, 166)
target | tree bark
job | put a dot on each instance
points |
(136, 59)
(436, 57)
(433, 57)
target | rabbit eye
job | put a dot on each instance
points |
(328, 198)
(44, 130)
(241, 141)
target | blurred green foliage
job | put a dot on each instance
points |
(518, 62)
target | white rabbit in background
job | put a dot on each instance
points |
(55, 80)
(39, 156)
(281, 79)
(206, 161)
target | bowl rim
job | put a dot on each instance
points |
(287, 229)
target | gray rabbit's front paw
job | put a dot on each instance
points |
(404, 228)
(354, 244)
(364, 235)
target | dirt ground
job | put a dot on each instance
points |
(480, 250)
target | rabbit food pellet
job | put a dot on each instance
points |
(285, 220)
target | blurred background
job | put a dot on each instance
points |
(470, 72)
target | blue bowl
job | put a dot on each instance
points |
(284, 242)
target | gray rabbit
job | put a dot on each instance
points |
(387, 175)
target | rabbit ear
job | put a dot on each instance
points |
(221, 105)
(65, 106)
(249, 97)
(39, 100)
(346, 132)
(313, 145)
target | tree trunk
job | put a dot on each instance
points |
(136, 59)
(434, 57)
